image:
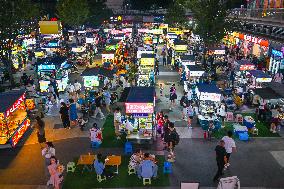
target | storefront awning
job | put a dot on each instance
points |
(186, 58)
(260, 76)
(98, 71)
(208, 88)
(267, 93)
(7, 99)
(138, 95)
(144, 55)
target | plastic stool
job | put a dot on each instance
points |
(255, 131)
(146, 181)
(100, 178)
(128, 148)
(131, 170)
(167, 167)
(71, 166)
(95, 145)
(244, 136)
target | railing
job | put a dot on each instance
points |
(271, 15)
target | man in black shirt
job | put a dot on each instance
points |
(221, 159)
(98, 103)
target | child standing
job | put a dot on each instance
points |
(161, 89)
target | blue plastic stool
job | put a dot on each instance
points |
(128, 148)
(244, 136)
(167, 167)
(95, 145)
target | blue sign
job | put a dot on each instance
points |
(52, 44)
(276, 53)
(140, 115)
(46, 67)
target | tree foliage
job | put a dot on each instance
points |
(148, 4)
(16, 17)
(176, 14)
(73, 13)
(99, 12)
(210, 19)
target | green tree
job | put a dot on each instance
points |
(99, 12)
(176, 14)
(210, 19)
(16, 16)
(73, 13)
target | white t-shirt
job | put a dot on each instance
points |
(70, 88)
(77, 86)
(229, 144)
(47, 153)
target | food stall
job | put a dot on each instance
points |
(49, 68)
(13, 117)
(193, 73)
(138, 121)
(209, 98)
(258, 77)
(108, 56)
(187, 60)
(146, 70)
(142, 50)
(180, 46)
(91, 76)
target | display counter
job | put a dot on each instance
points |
(13, 119)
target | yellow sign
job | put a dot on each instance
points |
(119, 18)
(147, 61)
(176, 31)
(49, 27)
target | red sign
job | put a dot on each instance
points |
(147, 108)
(53, 19)
(20, 132)
(247, 67)
(256, 40)
(15, 105)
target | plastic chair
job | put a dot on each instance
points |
(146, 181)
(244, 136)
(100, 178)
(95, 145)
(128, 148)
(131, 170)
(167, 167)
(71, 166)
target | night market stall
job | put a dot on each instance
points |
(257, 77)
(146, 70)
(13, 117)
(193, 74)
(209, 99)
(52, 68)
(138, 121)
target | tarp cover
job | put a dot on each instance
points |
(208, 88)
(7, 99)
(138, 95)
(259, 74)
(187, 58)
(98, 71)
(267, 93)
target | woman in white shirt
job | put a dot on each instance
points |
(47, 152)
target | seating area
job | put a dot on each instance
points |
(126, 177)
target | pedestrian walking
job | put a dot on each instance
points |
(107, 98)
(190, 113)
(77, 87)
(40, 125)
(73, 112)
(98, 104)
(230, 146)
(164, 55)
(157, 71)
(64, 115)
(173, 140)
(173, 96)
(161, 88)
(221, 159)
(184, 103)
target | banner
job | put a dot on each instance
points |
(49, 27)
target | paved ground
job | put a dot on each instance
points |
(258, 163)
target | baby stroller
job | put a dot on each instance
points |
(229, 183)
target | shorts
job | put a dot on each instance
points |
(228, 156)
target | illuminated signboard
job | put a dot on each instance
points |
(107, 56)
(210, 96)
(132, 108)
(247, 67)
(16, 105)
(181, 48)
(43, 85)
(263, 80)
(46, 67)
(219, 52)
(52, 44)
(91, 81)
(143, 52)
(277, 53)
(20, 132)
(196, 73)
(157, 31)
(147, 61)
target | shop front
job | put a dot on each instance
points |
(138, 118)
(13, 118)
(146, 68)
(251, 45)
(276, 62)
